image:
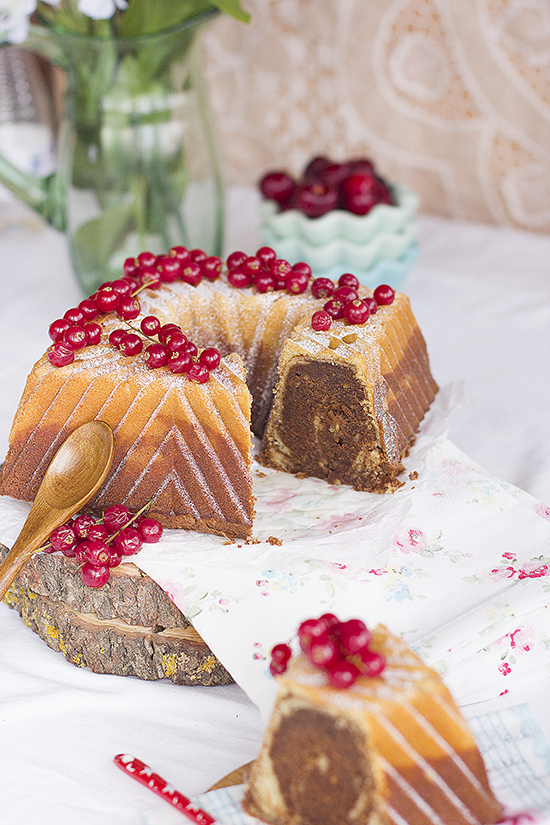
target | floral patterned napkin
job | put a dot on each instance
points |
(456, 562)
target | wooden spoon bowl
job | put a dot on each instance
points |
(75, 473)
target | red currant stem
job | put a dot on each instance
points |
(128, 523)
(141, 288)
(140, 332)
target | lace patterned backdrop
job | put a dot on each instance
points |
(451, 97)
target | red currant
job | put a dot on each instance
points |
(192, 273)
(197, 372)
(372, 664)
(372, 305)
(128, 541)
(75, 337)
(296, 283)
(280, 268)
(309, 630)
(131, 344)
(252, 265)
(322, 288)
(321, 320)
(345, 293)
(60, 354)
(333, 174)
(354, 636)
(191, 348)
(342, 674)
(238, 278)
(89, 309)
(75, 316)
(179, 362)
(116, 517)
(235, 259)
(107, 299)
(323, 651)
(93, 333)
(181, 253)
(281, 653)
(175, 341)
(211, 267)
(116, 337)
(147, 259)
(115, 557)
(198, 255)
(210, 357)
(58, 329)
(95, 552)
(335, 308)
(95, 576)
(315, 199)
(122, 286)
(264, 282)
(128, 308)
(150, 277)
(131, 267)
(356, 312)
(384, 295)
(302, 268)
(63, 537)
(359, 193)
(156, 355)
(97, 532)
(150, 325)
(81, 524)
(266, 255)
(170, 269)
(347, 279)
(315, 167)
(150, 530)
(166, 330)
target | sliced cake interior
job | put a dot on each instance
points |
(389, 750)
(349, 400)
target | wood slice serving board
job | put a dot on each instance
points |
(128, 627)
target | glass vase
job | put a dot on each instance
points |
(138, 165)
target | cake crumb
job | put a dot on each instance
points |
(273, 540)
(413, 476)
(260, 474)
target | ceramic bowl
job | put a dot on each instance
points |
(379, 247)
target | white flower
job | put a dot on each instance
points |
(100, 9)
(14, 19)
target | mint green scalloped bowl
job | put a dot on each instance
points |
(379, 247)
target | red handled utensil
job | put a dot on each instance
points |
(145, 775)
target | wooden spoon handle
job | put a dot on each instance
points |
(12, 566)
(35, 531)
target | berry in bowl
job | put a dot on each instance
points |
(341, 217)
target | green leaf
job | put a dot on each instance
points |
(95, 240)
(148, 17)
(232, 7)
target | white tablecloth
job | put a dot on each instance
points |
(482, 299)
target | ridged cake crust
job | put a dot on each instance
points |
(391, 750)
(349, 400)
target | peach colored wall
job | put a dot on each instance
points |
(449, 96)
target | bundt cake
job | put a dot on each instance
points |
(390, 749)
(180, 358)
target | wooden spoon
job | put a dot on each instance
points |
(76, 472)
